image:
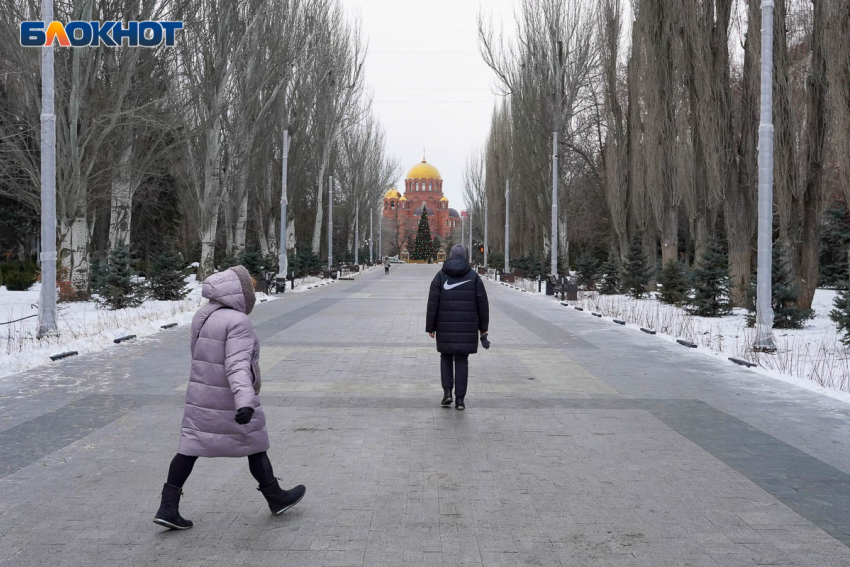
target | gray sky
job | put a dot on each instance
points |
(430, 86)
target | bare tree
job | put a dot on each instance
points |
(838, 71)
(264, 73)
(547, 72)
(615, 148)
(338, 82)
(206, 64)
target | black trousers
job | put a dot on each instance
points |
(454, 373)
(182, 465)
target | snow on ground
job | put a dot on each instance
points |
(812, 357)
(85, 327)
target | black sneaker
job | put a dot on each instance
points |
(459, 404)
(447, 399)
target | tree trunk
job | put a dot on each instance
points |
(649, 245)
(702, 236)
(290, 244)
(121, 202)
(229, 224)
(349, 243)
(670, 235)
(317, 226)
(239, 228)
(208, 249)
(739, 206)
(563, 240)
(812, 200)
(75, 253)
(209, 207)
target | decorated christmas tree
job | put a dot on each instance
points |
(422, 246)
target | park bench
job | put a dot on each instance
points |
(269, 284)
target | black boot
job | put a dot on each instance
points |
(447, 399)
(168, 514)
(281, 500)
(459, 404)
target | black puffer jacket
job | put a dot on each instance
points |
(457, 308)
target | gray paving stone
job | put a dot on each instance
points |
(658, 461)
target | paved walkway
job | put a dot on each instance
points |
(583, 444)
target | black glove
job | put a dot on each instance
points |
(485, 342)
(244, 415)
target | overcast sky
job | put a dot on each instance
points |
(430, 86)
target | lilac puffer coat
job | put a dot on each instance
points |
(225, 359)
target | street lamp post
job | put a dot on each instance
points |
(330, 223)
(553, 269)
(371, 235)
(764, 311)
(47, 295)
(357, 234)
(469, 249)
(283, 259)
(507, 226)
(486, 230)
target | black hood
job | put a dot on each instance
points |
(455, 267)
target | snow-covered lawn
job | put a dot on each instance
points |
(812, 357)
(85, 327)
(813, 353)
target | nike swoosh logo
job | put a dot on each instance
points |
(447, 286)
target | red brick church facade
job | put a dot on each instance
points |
(422, 187)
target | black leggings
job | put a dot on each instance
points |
(182, 465)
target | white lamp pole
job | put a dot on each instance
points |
(764, 310)
(330, 223)
(486, 230)
(357, 234)
(469, 248)
(507, 226)
(283, 259)
(554, 264)
(47, 296)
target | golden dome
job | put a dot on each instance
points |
(444, 198)
(392, 194)
(423, 170)
(403, 198)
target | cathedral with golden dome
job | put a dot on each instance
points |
(423, 187)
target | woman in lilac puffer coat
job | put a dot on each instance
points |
(223, 416)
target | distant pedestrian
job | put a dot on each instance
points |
(458, 312)
(386, 265)
(223, 416)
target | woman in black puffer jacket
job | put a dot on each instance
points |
(458, 311)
